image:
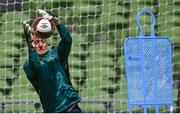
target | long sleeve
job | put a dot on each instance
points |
(34, 61)
(31, 68)
(32, 76)
(64, 45)
(64, 48)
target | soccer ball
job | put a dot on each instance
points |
(43, 27)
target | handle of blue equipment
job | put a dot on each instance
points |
(141, 33)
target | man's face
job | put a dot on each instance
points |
(39, 44)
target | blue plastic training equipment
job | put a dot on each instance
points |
(148, 63)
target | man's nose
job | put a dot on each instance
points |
(40, 43)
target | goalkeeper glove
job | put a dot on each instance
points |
(49, 16)
(27, 34)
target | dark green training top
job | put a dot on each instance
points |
(49, 75)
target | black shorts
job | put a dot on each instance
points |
(75, 109)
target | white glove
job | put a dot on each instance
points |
(49, 16)
(26, 26)
(45, 14)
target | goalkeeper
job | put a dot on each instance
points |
(48, 70)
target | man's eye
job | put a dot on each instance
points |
(36, 42)
(43, 41)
